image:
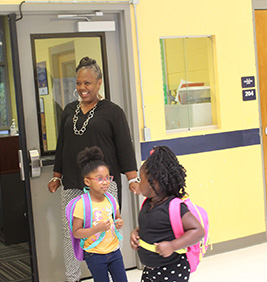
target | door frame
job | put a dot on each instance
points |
(127, 56)
(22, 141)
(260, 5)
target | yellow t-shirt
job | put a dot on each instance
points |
(101, 211)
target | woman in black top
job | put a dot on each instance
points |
(91, 121)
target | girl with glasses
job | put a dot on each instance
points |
(105, 256)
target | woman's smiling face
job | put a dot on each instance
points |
(87, 85)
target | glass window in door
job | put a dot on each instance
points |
(55, 58)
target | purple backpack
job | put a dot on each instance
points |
(196, 252)
(78, 244)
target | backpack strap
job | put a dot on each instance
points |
(143, 203)
(152, 247)
(112, 200)
(71, 211)
(87, 212)
(175, 217)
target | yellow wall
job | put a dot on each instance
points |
(233, 196)
(228, 183)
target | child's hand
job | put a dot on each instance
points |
(103, 225)
(119, 223)
(164, 248)
(134, 239)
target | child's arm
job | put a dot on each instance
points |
(119, 221)
(194, 232)
(134, 240)
(79, 232)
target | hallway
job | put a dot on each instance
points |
(244, 265)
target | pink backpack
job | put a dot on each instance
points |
(196, 252)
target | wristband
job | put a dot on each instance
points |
(55, 179)
(136, 179)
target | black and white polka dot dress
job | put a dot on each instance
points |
(176, 272)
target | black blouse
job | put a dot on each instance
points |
(108, 129)
(155, 227)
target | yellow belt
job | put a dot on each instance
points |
(152, 247)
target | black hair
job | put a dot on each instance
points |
(91, 64)
(163, 167)
(90, 159)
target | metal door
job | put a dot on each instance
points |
(46, 206)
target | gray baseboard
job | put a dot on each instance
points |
(236, 244)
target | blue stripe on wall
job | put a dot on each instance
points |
(205, 143)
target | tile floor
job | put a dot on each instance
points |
(243, 265)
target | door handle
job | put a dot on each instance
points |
(35, 163)
(21, 166)
(265, 130)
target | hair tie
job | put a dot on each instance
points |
(152, 151)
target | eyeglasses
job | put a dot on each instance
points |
(100, 179)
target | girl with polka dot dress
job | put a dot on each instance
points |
(162, 179)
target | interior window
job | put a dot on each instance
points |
(188, 82)
(55, 59)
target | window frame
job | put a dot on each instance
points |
(166, 87)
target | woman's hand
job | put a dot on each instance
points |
(53, 185)
(133, 181)
(119, 223)
(134, 188)
(55, 182)
(134, 239)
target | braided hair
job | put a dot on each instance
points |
(91, 64)
(163, 167)
(90, 159)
